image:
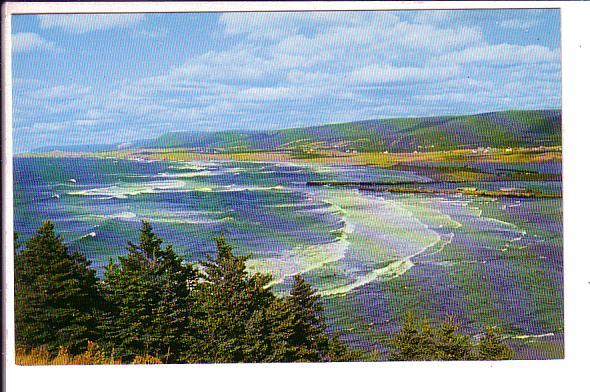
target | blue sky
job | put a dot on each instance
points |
(91, 79)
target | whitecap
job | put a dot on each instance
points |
(92, 234)
(123, 191)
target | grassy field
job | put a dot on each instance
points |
(378, 159)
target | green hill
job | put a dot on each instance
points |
(513, 128)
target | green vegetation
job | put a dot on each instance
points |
(56, 295)
(147, 293)
(421, 187)
(517, 193)
(508, 129)
(506, 137)
(420, 341)
(152, 307)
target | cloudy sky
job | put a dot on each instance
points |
(87, 79)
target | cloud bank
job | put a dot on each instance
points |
(271, 70)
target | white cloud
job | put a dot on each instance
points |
(283, 93)
(434, 16)
(432, 38)
(236, 65)
(376, 40)
(69, 91)
(519, 24)
(154, 34)
(288, 69)
(377, 74)
(501, 54)
(83, 23)
(26, 42)
(277, 25)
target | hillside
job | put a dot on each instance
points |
(515, 128)
(498, 129)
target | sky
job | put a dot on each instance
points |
(113, 78)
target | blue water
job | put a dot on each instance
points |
(373, 255)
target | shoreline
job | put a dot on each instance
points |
(368, 158)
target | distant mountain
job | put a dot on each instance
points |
(77, 148)
(514, 128)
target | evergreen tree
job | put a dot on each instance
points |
(148, 296)
(309, 335)
(450, 345)
(56, 297)
(419, 341)
(409, 342)
(491, 348)
(231, 310)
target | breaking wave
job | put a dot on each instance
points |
(123, 191)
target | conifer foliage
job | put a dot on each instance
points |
(241, 320)
(231, 309)
(56, 297)
(152, 307)
(147, 293)
(309, 335)
(418, 340)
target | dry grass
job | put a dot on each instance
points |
(496, 155)
(93, 355)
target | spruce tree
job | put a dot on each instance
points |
(309, 335)
(491, 348)
(147, 292)
(56, 297)
(231, 310)
(419, 341)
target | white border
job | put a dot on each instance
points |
(553, 375)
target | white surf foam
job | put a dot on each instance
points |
(123, 191)
(92, 234)
(240, 188)
(202, 173)
(543, 335)
(305, 258)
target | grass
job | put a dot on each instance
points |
(378, 159)
(94, 355)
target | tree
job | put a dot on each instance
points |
(231, 310)
(56, 296)
(490, 347)
(240, 319)
(148, 296)
(309, 335)
(419, 341)
(411, 342)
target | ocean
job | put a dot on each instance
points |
(372, 255)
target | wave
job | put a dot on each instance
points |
(373, 228)
(240, 188)
(390, 229)
(195, 165)
(306, 258)
(180, 221)
(202, 173)
(92, 234)
(445, 239)
(543, 335)
(123, 191)
(62, 184)
(123, 215)
(392, 270)
(295, 205)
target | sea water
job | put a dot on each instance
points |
(372, 255)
